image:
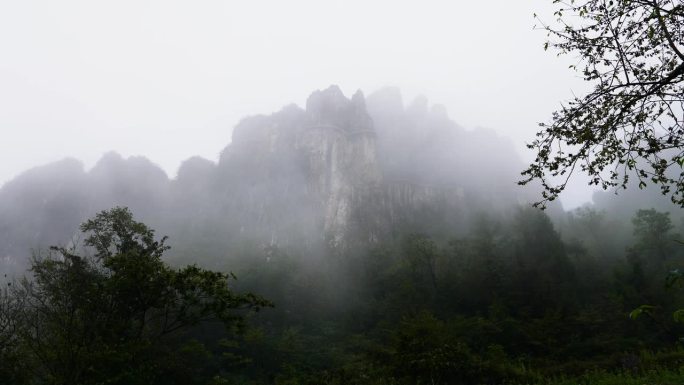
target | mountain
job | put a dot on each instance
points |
(338, 174)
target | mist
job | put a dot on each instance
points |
(168, 80)
(311, 192)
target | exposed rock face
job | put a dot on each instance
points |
(37, 206)
(323, 163)
(315, 160)
(340, 173)
(45, 205)
(340, 144)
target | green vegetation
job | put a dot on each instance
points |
(512, 302)
(629, 128)
(118, 316)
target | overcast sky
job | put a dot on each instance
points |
(169, 79)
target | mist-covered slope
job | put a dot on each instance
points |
(339, 173)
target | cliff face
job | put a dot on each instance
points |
(320, 168)
(309, 165)
(339, 173)
(340, 145)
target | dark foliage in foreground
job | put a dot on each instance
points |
(118, 316)
(513, 302)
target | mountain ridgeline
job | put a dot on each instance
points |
(341, 173)
(386, 244)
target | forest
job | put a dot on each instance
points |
(511, 302)
(329, 246)
(358, 240)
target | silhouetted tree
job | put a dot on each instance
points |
(653, 232)
(111, 317)
(631, 124)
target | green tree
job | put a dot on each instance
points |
(653, 232)
(651, 257)
(476, 268)
(676, 279)
(115, 317)
(11, 363)
(421, 257)
(543, 277)
(630, 125)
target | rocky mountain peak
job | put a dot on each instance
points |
(331, 107)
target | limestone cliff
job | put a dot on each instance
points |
(308, 163)
(339, 173)
(319, 167)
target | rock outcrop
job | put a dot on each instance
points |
(323, 162)
(304, 168)
(337, 174)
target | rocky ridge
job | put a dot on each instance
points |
(337, 174)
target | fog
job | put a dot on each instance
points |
(169, 80)
(337, 176)
(313, 192)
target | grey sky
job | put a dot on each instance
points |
(169, 79)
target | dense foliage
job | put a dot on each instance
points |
(117, 316)
(513, 301)
(517, 300)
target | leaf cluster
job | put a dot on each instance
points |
(630, 126)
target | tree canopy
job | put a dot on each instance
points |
(629, 128)
(113, 316)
